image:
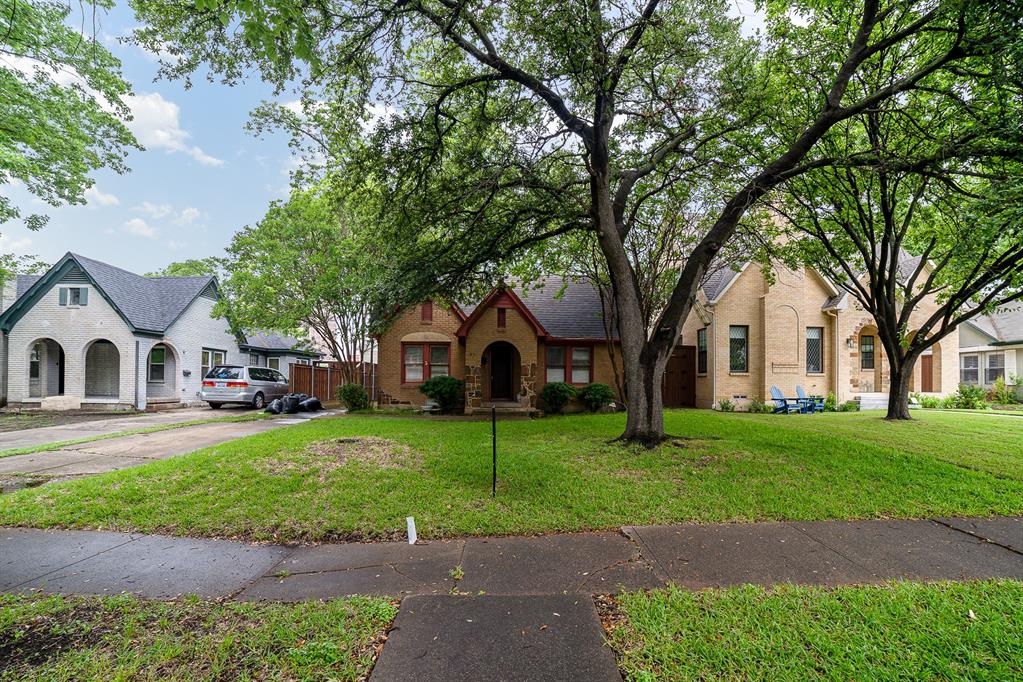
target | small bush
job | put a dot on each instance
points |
(726, 405)
(447, 391)
(969, 398)
(849, 406)
(831, 403)
(556, 395)
(929, 402)
(1001, 393)
(758, 406)
(596, 396)
(353, 397)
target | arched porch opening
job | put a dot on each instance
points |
(45, 368)
(102, 370)
(867, 370)
(502, 372)
(162, 373)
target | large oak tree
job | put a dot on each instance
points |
(506, 123)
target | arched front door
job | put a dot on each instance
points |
(503, 369)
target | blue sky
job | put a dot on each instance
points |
(201, 178)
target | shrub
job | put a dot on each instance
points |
(969, 398)
(1001, 393)
(556, 395)
(849, 406)
(596, 396)
(930, 402)
(726, 405)
(353, 397)
(447, 391)
(758, 406)
(831, 403)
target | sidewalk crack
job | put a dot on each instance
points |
(825, 545)
(979, 537)
(75, 563)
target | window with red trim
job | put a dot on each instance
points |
(424, 360)
(502, 318)
(570, 364)
(427, 311)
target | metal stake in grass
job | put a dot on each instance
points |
(493, 435)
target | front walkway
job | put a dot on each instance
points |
(511, 607)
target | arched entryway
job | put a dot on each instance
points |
(162, 373)
(102, 370)
(45, 368)
(502, 373)
(866, 372)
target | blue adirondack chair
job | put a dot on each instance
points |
(783, 404)
(809, 404)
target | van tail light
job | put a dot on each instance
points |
(237, 384)
(209, 384)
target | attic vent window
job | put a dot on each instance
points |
(502, 318)
(427, 312)
(73, 296)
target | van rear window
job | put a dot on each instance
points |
(225, 373)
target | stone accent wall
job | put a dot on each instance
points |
(408, 322)
(520, 334)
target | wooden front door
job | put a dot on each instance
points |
(501, 363)
(926, 373)
(679, 386)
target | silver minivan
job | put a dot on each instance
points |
(254, 386)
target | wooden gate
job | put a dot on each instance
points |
(679, 386)
(322, 380)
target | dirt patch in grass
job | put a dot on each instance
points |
(380, 452)
(47, 636)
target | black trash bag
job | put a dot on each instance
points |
(289, 404)
(310, 405)
(274, 407)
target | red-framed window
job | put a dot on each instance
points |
(422, 361)
(426, 312)
(502, 318)
(571, 364)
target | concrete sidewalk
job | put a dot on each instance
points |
(692, 556)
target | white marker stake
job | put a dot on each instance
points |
(411, 529)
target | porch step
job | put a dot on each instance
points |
(872, 401)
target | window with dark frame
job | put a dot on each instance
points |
(555, 364)
(570, 364)
(701, 351)
(33, 362)
(502, 318)
(273, 363)
(738, 348)
(157, 367)
(422, 361)
(815, 350)
(426, 312)
(867, 352)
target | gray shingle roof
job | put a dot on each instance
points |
(566, 308)
(718, 280)
(1005, 324)
(274, 341)
(149, 303)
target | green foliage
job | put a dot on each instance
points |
(556, 395)
(758, 406)
(969, 397)
(726, 405)
(353, 397)
(446, 390)
(1001, 393)
(193, 267)
(849, 406)
(831, 403)
(597, 396)
(929, 402)
(61, 94)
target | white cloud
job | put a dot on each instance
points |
(155, 211)
(139, 227)
(15, 245)
(156, 126)
(188, 216)
(98, 198)
(185, 216)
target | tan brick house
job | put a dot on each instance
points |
(795, 328)
(506, 348)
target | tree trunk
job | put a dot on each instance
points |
(645, 421)
(898, 390)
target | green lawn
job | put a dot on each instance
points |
(905, 631)
(555, 474)
(120, 638)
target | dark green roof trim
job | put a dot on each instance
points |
(52, 277)
(1017, 342)
(278, 352)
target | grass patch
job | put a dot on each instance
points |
(47, 447)
(897, 631)
(90, 638)
(554, 474)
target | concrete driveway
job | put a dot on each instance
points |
(111, 454)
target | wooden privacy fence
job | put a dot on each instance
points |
(323, 379)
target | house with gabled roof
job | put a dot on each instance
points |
(88, 334)
(991, 347)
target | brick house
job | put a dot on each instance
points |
(506, 348)
(87, 334)
(796, 328)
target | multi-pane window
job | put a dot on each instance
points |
(211, 358)
(424, 361)
(254, 359)
(701, 351)
(73, 296)
(867, 352)
(157, 364)
(814, 350)
(33, 362)
(995, 368)
(969, 369)
(738, 348)
(571, 364)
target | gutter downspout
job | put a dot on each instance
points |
(835, 372)
(136, 374)
(713, 343)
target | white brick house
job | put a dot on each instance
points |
(88, 334)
